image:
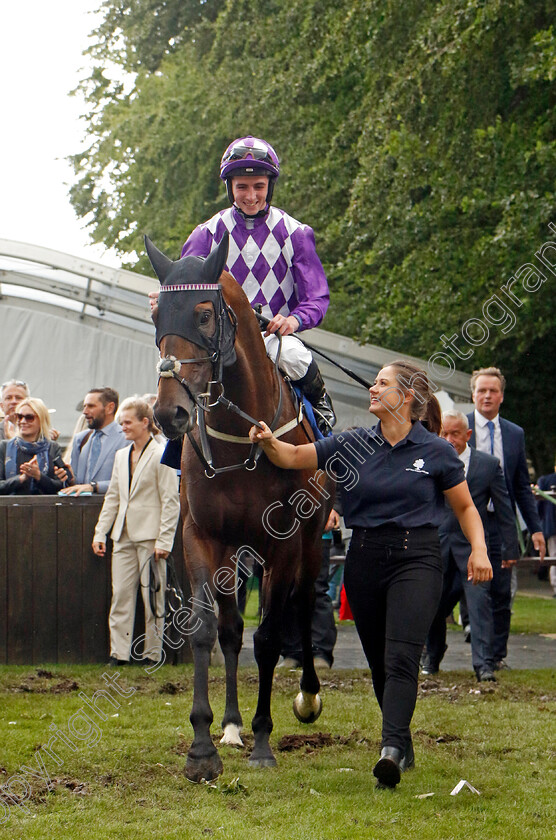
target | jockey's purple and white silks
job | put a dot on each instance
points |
(274, 260)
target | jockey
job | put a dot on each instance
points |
(273, 258)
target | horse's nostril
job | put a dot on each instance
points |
(181, 414)
(164, 415)
(183, 420)
(174, 420)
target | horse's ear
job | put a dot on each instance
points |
(215, 262)
(159, 261)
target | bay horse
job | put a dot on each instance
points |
(215, 382)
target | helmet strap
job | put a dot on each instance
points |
(271, 182)
(258, 215)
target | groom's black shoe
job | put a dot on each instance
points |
(387, 768)
(408, 758)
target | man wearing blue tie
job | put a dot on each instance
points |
(93, 451)
(505, 440)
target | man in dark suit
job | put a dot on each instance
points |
(492, 434)
(547, 513)
(486, 481)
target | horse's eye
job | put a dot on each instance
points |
(205, 317)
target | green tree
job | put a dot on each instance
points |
(138, 34)
(416, 137)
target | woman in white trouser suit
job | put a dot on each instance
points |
(141, 507)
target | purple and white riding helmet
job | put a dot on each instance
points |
(249, 156)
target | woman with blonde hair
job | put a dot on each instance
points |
(27, 461)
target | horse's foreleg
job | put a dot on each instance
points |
(203, 761)
(267, 643)
(307, 706)
(230, 636)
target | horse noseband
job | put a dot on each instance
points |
(168, 367)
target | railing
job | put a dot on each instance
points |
(54, 592)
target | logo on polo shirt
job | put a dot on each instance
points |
(417, 467)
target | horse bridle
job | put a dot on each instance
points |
(170, 367)
(222, 346)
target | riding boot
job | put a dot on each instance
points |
(312, 387)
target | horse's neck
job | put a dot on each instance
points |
(251, 382)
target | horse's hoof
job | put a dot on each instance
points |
(307, 707)
(231, 735)
(208, 769)
(267, 761)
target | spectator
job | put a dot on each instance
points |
(27, 461)
(336, 571)
(93, 451)
(141, 508)
(393, 569)
(156, 431)
(80, 426)
(547, 513)
(323, 626)
(11, 394)
(486, 481)
(492, 434)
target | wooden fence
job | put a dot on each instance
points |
(54, 592)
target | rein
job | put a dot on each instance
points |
(170, 367)
(205, 452)
(352, 375)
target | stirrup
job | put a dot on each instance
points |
(324, 415)
(312, 387)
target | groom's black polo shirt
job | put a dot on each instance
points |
(401, 485)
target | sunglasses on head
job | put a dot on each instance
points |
(17, 382)
(28, 417)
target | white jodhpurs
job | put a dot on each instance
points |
(294, 358)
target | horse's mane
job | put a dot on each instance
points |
(233, 293)
(236, 298)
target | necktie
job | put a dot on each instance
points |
(490, 426)
(95, 452)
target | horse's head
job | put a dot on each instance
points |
(195, 333)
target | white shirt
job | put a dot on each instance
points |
(482, 441)
(466, 457)
(482, 436)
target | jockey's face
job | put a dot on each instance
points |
(250, 193)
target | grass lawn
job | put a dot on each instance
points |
(124, 778)
(533, 615)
